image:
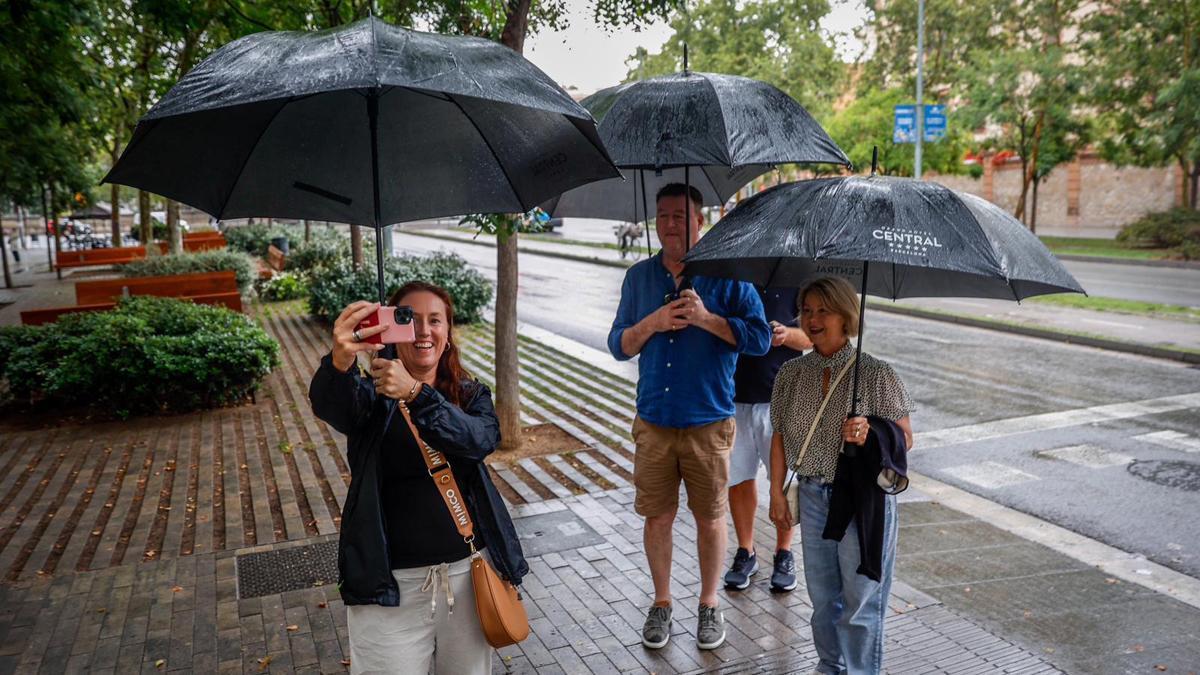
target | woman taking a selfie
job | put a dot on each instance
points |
(808, 411)
(403, 562)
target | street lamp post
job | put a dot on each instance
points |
(920, 86)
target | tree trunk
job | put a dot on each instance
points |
(22, 216)
(116, 215)
(8, 282)
(1195, 184)
(307, 230)
(57, 228)
(174, 234)
(508, 391)
(1030, 168)
(146, 230)
(1033, 210)
(356, 252)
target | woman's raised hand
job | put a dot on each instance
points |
(347, 341)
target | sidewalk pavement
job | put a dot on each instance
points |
(205, 542)
(1151, 336)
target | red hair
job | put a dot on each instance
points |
(451, 378)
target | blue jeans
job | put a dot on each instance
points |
(848, 608)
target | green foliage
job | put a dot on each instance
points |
(324, 251)
(332, 288)
(867, 122)
(149, 355)
(192, 263)
(1177, 229)
(775, 41)
(255, 239)
(1144, 70)
(280, 287)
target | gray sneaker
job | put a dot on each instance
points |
(657, 629)
(710, 628)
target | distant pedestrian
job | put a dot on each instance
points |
(849, 606)
(754, 380)
(687, 335)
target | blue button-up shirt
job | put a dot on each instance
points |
(685, 377)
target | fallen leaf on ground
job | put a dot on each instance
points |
(322, 605)
(293, 627)
(1110, 581)
(264, 663)
(1161, 668)
(176, 589)
(346, 662)
(160, 663)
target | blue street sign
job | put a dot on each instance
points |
(904, 129)
(935, 123)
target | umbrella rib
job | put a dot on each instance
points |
(253, 148)
(492, 150)
(724, 127)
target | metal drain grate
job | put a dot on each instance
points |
(287, 569)
(554, 532)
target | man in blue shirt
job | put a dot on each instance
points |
(688, 334)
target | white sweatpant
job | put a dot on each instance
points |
(422, 631)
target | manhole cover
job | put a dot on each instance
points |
(1174, 474)
(287, 569)
(553, 533)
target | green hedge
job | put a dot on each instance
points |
(149, 355)
(1177, 229)
(192, 263)
(332, 288)
(254, 239)
(282, 286)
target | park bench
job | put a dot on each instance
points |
(276, 260)
(211, 288)
(203, 241)
(99, 256)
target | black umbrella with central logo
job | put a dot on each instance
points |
(898, 237)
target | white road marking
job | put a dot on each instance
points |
(1172, 439)
(1087, 455)
(990, 475)
(1056, 420)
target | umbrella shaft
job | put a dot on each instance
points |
(373, 119)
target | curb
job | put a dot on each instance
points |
(532, 251)
(1178, 264)
(1044, 333)
(1028, 331)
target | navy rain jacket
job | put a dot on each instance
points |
(348, 403)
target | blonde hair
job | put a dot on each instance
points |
(838, 295)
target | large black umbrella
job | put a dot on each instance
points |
(718, 131)
(367, 123)
(900, 237)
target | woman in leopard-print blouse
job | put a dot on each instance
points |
(848, 608)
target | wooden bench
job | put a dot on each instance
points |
(203, 241)
(37, 317)
(173, 286)
(211, 288)
(276, 259)
(99, 256)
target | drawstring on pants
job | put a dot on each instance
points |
(438, 573)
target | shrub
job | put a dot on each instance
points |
(254, 239)
(283, 286)
(332, 288)
(192, 263)
(148, 355)
(318, 253)
(1166, 229)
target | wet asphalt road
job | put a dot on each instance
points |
(1134, 483)
(1173, 286)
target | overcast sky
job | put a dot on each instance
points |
(590, 58)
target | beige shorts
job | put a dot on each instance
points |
(699, 456)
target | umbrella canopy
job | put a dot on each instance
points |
(629, 197)
(366, 123)
(920, 239)
(707, 119)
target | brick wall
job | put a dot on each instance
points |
(1086, 198)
